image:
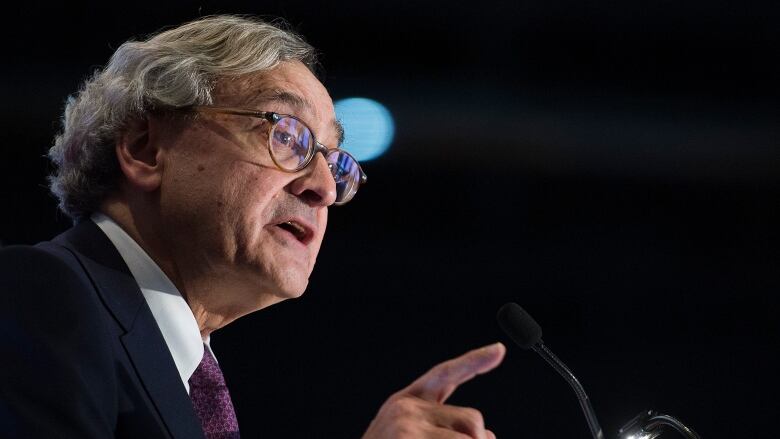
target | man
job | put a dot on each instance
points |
(198, 166)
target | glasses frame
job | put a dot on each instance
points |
(274, 118)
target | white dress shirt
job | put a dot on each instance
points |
(171, 312)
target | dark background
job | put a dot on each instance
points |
(611, 166)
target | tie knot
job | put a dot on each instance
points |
(208, 374)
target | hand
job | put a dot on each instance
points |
(418, 411)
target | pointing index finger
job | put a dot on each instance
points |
(441, 381)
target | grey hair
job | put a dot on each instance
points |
(175, 68)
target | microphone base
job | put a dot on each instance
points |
(649, 425)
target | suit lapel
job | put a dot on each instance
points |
(142, 340)
(160, 378)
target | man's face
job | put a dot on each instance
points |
(235, 222)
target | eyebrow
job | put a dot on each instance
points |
(297, 102)
(339, 131)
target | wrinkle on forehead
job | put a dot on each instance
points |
(298, 103)
(239, 93)
(283, 96)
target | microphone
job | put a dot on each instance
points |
(526, 333)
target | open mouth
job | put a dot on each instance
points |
(299, 231)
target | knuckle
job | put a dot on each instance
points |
(473, 418)
(475, 415)
(400, 408)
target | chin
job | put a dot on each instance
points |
(289, 285)
(293, 291)
(264, 298)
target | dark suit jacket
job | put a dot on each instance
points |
(81, 355)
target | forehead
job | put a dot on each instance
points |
(289, 88)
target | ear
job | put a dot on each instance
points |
(140, 154)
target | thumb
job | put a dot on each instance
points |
(441, 381)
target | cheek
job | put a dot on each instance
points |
(250, 201)
(213, 198)
(251, 192)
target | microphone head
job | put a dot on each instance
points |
(519, 325)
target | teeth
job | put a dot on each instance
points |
(298, 230)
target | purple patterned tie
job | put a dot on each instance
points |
(211, 400)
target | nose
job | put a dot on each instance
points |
(315, 185)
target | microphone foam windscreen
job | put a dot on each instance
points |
(519, 325)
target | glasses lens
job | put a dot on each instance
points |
(346, 172)
(291, 143)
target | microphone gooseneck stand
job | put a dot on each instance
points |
(526, 333)
(587, 408)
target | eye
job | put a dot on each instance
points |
(282, 137)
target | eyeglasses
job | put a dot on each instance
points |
(292, 147)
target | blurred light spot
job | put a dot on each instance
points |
(368, 126)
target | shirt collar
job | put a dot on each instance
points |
(171, 312)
